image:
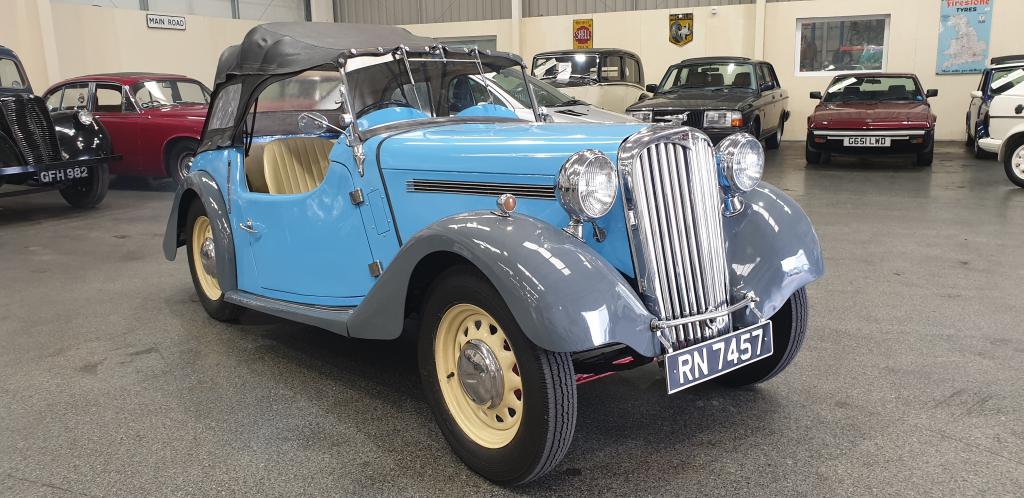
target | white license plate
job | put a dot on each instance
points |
(866, 141)
(707, 360)
(65, 174)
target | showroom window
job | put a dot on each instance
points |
(259, 10)
(846, 44)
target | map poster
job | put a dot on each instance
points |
(964, 29)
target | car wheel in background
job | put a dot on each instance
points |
(202, 264)
(925, 158)
(1014, 163)
(812, 156)
(178, 162)
(506, 406)
(789, 326)
(775, 140)
(89, 191)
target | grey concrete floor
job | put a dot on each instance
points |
(114, 382)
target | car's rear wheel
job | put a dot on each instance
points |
(1014, 163)
(89, 191)
(812, 156)
(506, 406)
(789, 326)
(202, 263)
(178, 162)
(775, 140)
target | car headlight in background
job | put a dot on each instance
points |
(641, 115)
(723, 119)
(741, 163)
(85, 117)
(586, 188)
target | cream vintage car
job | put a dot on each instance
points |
(609, 78)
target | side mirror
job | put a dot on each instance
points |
(766, 87)
(816, 95)
(976, 94)
(651, 88)
(932, 92)
(545, 115)
(314, 123)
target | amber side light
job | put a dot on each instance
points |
(737, 122)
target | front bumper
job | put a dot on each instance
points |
(900, 141)
(990, 144)
(37, 168)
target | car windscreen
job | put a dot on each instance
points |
(441, 88)
(1004, 80)
(161, 93)
(566, 69)
(511, 81)
(11, 76)
(873, 89)
(708, 75)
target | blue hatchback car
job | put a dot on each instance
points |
(337, 185)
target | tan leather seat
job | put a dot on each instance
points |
(254, 169)
(295, 165)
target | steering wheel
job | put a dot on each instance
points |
(381, 104)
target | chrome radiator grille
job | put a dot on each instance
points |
(31, 129)
(674, 208)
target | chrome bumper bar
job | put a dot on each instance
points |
(748, 301)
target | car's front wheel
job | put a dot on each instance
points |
(89, 191)
(202, 263)
(789, 326)
(812, 156)
(925, 158)
(506, 406)
(1014, 163)
(178, 162)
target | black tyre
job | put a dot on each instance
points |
(980, 153)
(178, 160)
(812, 156)
(925, 158)
(1013, 163)
(201, 258)
(789, 326)
(775, 140)
(510, 428)
(88, 192)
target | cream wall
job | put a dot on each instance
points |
(499, 28)
(913, 45)
(28, 43)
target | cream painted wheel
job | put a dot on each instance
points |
(478, 375)
(203, 258)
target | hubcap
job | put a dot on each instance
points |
(1017, 162)
(185, 164)
(479, 376)
(205, 258)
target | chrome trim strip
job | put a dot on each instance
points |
(528, 191)
(748, 301)
(872, 133)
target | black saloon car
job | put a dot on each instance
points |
(41, 151)
(721, 96)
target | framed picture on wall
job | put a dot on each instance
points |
(826, 45)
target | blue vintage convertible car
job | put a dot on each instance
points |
(338, 184)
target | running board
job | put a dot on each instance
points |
(333, 318)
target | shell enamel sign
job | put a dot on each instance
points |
(582, 33)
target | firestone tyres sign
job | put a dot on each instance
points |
(160, 21)
(965, 27)
(582, 33)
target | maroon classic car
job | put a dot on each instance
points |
(872, 113)
(154, 120)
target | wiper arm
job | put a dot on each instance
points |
(569, 102)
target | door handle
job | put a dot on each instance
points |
(248, 226)
(1019, 109)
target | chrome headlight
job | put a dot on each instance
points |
(85, 117)
(723, 119)
(587, 185)
(740, 161)
(641, 115)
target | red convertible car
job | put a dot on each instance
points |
(872, 113)
(154, 120)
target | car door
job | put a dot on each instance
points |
(973, 109)
(308, 247)
(111, 107)
(768, 102)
